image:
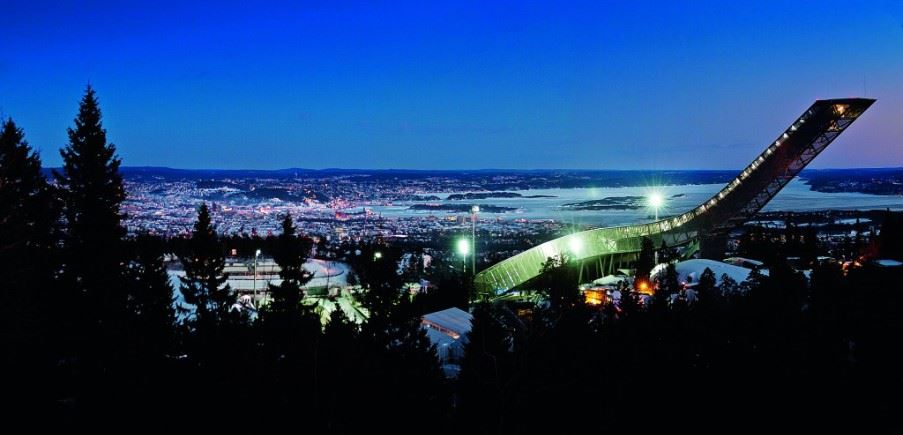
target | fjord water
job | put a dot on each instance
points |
(796, 196)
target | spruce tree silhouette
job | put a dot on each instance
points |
(891, 236)
(93, 288)
(151, 298)
(152, 340)
(290, 254)
(290, 330)
(558, 282)
(395, 348)
(92, 192)
(645, 263)
(28, 314)
(204, 284)
(485, 389)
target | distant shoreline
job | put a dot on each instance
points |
(506, 182)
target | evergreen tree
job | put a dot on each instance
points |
(629, 303)
(151, 335)
(809, 246)
(416, 367)
(151, 297)
(454, 290)
(858, 243)
(338, 362)
(756, 243)
(400, 368)
(377, 270)
(707, 282)
(27, 208)
(709, 296)
(92, 192)
(728, 285)
(28, 215)
(559, 282)
(756, 279)
(204, 284)
(93, 287)
(290, 255)
(290, 330)
(339, 336)
(485, 373)
(666, 254)
(645, 262)
(668, 284)
(891, 236)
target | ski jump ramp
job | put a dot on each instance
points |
(710, 221)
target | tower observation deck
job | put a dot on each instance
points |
(733, 205)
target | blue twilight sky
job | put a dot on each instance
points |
(452, 84)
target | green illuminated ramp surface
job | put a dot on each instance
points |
(738, 201)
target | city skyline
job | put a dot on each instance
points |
(462, 86)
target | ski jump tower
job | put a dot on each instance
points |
(704, 227)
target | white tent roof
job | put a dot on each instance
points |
(693, 269)
(452, 319)
(612, 280)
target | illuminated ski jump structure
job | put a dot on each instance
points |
(707, 224)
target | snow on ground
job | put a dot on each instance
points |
(690, 270)
(886, 262)
(333, 273)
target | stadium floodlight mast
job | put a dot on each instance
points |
(473, 237)
(464, 249)
(656, 201)
(256, 255)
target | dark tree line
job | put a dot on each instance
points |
(776, 352)
(92, 336)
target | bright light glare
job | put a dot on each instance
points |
(576, 245)
(377, 255)
(656, 200)
(258, 252)
(463, 246)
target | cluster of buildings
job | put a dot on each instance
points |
(345, 213)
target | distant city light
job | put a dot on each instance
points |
(377, 255)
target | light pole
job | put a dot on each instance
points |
(256, 254)
(464, 249)
(656, 200)
(473, 238)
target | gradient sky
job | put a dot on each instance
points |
(458, 84)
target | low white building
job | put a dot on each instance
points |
(447, 330)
